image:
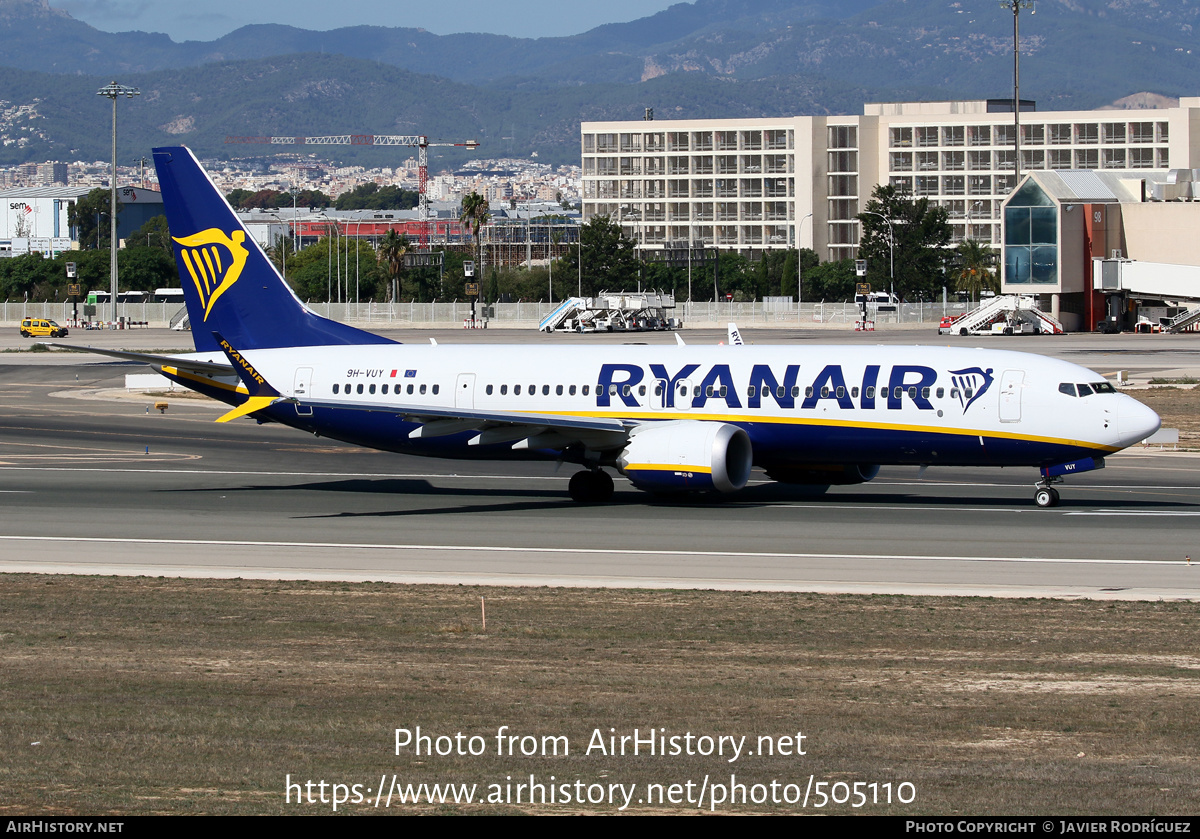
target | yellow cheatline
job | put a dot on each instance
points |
(254, 403)
(204, 380)
(667, 467)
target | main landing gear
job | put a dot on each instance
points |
(590, 485)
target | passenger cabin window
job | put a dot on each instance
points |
(410, 390)
(545, 390)
(371, 389)
(558, 390)
(516, 390)
(870, 394)
(586, 388)
(503, 390)
(360, 388)
(435, 389)
(422, 390)
(489, 390)
(571, 390)
(335, 388)
(384, 389)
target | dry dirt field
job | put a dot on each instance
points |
(140, 695)
(1179, 407)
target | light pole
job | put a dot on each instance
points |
(114, 91)
(891, 249)
(799, 270)
(1016, 6)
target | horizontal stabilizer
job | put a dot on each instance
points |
(180, 362)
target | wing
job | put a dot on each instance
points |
(526, 430)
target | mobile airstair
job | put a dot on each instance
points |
(179, 320)
(1007, 314)
(622, 311)
(1183, 320)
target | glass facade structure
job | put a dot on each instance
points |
(1031, 238)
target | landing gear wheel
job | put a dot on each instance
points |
(1046, 497)
(588, 486)
(962, 330)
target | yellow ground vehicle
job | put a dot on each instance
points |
(41, 328)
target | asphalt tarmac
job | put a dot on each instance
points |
(93, 482)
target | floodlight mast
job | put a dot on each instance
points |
(114, 91)
(1016, 6)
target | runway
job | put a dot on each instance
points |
(95, 485)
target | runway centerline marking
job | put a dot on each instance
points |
(227, 543)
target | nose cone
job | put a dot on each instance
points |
(1135, 422)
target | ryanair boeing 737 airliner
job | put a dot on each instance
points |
(669, 418)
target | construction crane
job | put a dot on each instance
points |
(419, 140)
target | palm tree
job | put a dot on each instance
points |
(974, 274)
(475, 215)
(391, 251)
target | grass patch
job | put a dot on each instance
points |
(1181, 380)
(200, 696)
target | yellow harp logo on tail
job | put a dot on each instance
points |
(214, 260)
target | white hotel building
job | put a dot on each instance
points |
(750, 184)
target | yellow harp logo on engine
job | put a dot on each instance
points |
(214, 260)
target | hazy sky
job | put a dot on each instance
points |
(204, 20)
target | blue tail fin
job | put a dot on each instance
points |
(229, 284)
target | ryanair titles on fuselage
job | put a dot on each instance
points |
(878, 387)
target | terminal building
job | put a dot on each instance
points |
(754, 184)
(35, 218)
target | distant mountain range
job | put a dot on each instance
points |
(710, 58)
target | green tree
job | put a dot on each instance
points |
(791, 274)
(312, 273)
(89, 215)
(475, 214)
(973, 272)
(370, 196)
(921, 232)
(390, 254)
(153, 234)
(609, 259)
(830, 281)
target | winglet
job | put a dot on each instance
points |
(735, 337)
(679, 340)
(261, 394)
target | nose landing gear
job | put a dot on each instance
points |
(1046, 496)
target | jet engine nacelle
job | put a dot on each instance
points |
(838, 474)
(689, 456)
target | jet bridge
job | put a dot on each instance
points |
(1120, 279)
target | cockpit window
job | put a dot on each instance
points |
(1067, 388)
(1085, 390)
(1103, 387)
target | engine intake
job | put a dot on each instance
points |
(687, 456)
